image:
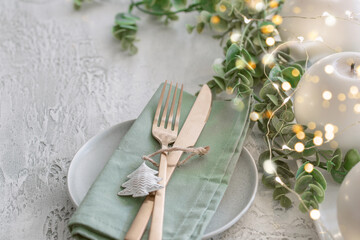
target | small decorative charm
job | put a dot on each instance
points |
(141, 182)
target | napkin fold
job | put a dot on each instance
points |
(192, 194)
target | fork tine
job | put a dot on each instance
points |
(158, 109)
(171, 115)
(163, 117)
(176, 127)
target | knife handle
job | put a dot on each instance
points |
(156, 228)
(141, 220)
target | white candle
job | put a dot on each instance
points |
(326, 26)
(328, 99)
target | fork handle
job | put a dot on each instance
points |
(156, 228)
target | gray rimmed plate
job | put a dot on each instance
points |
(93, 155)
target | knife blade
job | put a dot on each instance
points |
(187, 137)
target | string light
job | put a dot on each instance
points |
(268, 59)
(299, 147)
(278, 179)
(267, 29)
(308, 167)
(222, 8)
(273, 4)
(329, 136)
(300, 135)
(276, 86)
(286, 86)
(235, 36)
(295, 72)
(318, 141)
(270, 41)
(277, 19)
(254, 116)
(269, 167)
(297, 128)
(315, 214)
(329, 127)
(240, 64)
(285, 147)
(251, 65)
(215, 19)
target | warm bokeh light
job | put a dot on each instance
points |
(235, 36)
(318, 140)
(314, 214)
(329, 127)
(295, 72)
(286, 86)
(311, 125)
(229, 90)
(318, 133)
(327, 95)
(254, 116)
(357, 108)
(297, 128)
(308, 167)
(240, 64)
(222, 8)
(251, 65)
(269, 166)
(277, 19)
(341, 97)
(329, 69)
(329, 136)
(299, 147)
(300, 135)
(267, 29)
(268, 59)
(270, 41)
(273, 4)
(215, 19)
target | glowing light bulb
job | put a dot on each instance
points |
(295, 72)
(329, 136)
(267, 29)
(269, 167)
(330, 20)
(329, 127)
(300, 135)
(315, 214)
(254, 116)
(354, 90)
(297, 128)
(278, 179)
(235, 36)
(251, 65)
(240, 64)
(318, 140)
(286, 86)
(277, 19)
(215, 19)
(308, 167)
(327, 95)
(318, 133)
(299, 147)
(273, 4)
(270, 41)
(222, 8)
(267, 59)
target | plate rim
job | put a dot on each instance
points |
(205, 236)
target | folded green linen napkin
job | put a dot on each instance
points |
(194, 191)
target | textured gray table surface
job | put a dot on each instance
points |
(63, 79)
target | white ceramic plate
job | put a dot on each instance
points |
(92, 157)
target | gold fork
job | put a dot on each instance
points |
(165, 135)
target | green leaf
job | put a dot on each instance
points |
(318, 191)
(273, 99)
(209, 5)
(220, 82)
(200, 27)
(278, 192)
(302, 183)
(220, 26)
(259, 107)
(179, 4)
(292, 75)
(352, 157)
(285, 202)
(218, 69)
(268, 88)
(329, 165)
(287, 116)
(189, 28)
(205, 16)
(268, 181)
(309, 149)
(275, 72)
(338, 176)
(337, 157)
(302, 205)
(318, 177)
(232, 52)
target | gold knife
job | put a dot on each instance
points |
(188, 136)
